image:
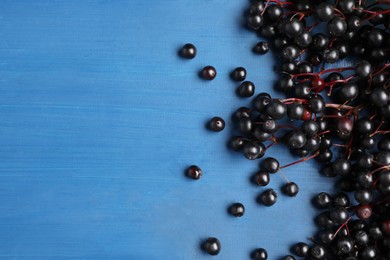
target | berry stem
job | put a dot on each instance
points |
(343, 225)
(301, 160)
(377, 129)
(387, 167)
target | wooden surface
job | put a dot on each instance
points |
(99, 118)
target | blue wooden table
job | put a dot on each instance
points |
(100, 117)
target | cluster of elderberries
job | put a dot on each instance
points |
(337, 115)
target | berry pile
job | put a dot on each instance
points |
(339, 116)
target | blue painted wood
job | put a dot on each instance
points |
(99, 118)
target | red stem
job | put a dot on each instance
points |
(344, 224)
(301, 160)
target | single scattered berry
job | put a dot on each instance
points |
(212, 246)
(194, 172)
(269, 197)
(262, 178)
(291, 189)
(208, 73)
(238, 74)
(237, 209)
(259, 254)
(188, 51)
(216, 124)
(246, 89)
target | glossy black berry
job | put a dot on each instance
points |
(301, 249)
(317, 104)
(212, 246)
(238, 74)
(331, 55)
(261, 48)
(270, 165)
(310, 127)
(364, 180)
(344, 127)
(285, 83)
(384, 144)
(326, 236)
(368, 142)
(303, 40)
(259, 254)
(293, 28)
(363, 69)
(262, 178)
(268, 126)
(353, 23)
(295, 139)
(291, 189)
(326, 140)
(268, 31)
(364, 160)
(273, 12)
(368, 253)
(361, 238)
(269, 197)
(376, 38)
(339, 215)
(188, 51)
(349, 91)
(365, 125)
(342, 166)
(375, 231)
(290, 52)
(255, 21)
(288, 67)
(216, 124)
(323, 220)
(236, 143)
(379, 96)
(312, 144)
(252, 150)
(194, 172)
(346, 6)
(276, 109)
(325, 155)
(320, 41)
(345, 245)
(302, 90)
(317, 252)
(261, 101)
(343, 48)
(240, 113)
(341, 199)
(322, 200)
(237, 209)
(245, 125)
(337, 26)
(257, 7)
(363, 196)
(295, 111)
(324, 11)
(208, 73)
(246, 89)
(383, 157)
(260, 135)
